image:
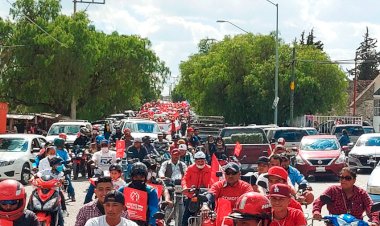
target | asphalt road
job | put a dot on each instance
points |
(319, 185)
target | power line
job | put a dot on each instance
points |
(39, 27)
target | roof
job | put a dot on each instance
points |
(344, 125)
(285, 128)
(20, 116)
(319, 136)
(71, 123)
(21, 135)
(370, 135)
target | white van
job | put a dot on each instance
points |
(71, 128)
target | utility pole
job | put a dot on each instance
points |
(292, 87)
(74, 98)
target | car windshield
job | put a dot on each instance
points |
(312, 131)
(68, 129)
(368, 141)
(352, 130)
(13, 145)
(320, 144)
(368, 130)
(142, 127)
(290, 135)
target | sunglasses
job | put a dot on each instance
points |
(8, 202)
(348, 178)
(231, 173)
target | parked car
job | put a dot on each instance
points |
(16, 152)
(373, 184)
(369, 129)
(311, 130)
(251, 151)
(292, 136)
(320, 155)
(70, 127)
(354, 131)
(140, 127)
(366, 152)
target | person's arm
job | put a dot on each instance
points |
(318, 204)
(81, 218)
(185, 180)
(152, 206)
(161, 172)
(90, 193)
(36, 162)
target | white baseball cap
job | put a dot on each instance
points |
(182, 147)
(200, 155)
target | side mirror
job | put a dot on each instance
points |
(32, 160)
(295, 150)
(325, 199)
(350, 145)
(36, 150)
(346, 149)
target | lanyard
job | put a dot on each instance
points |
(345, 204)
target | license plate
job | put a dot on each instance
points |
(320, 169)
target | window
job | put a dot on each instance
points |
(376, 107)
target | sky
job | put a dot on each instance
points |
(175, 27)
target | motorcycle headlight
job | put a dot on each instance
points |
(6, 163)
(300, 161)
(373, 190)
(50, 204)
(36, 203)
(341, 159)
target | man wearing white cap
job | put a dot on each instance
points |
(137, 150)
(185, 156)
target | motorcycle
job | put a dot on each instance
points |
(79, 159)
(45, 200)
(196, 202)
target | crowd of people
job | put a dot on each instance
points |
(265, 197)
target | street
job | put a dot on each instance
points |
(81, 185)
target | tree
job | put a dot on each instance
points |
(310, 40)
(367, 59)
(73, 63)
(235, 78)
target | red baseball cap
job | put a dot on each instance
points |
(175, 151)
(280, 190)
(277, 171)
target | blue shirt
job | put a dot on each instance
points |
(63, 154)
(152, 203)
(295, 176)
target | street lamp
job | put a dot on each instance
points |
(226, 21)
(276, 99)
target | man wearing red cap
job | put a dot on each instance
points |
(173, 168)
(282, 215)
(278, 175)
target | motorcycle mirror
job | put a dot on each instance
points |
(325, 199)
(159, 215)
(219, 173)
(375, 207)
(302, 186)
(32, 160)
(36, 150)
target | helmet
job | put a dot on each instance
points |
(12, 190)
(59, 142)
(63, 136)
(116, 167)
(139, 168)
(55, 161)
(252, 205)
(84, 131)
(175, 137)
(281, 141)
(146, 139)
(104, 141)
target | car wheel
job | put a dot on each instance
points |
(25, 174)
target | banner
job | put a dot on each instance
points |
(159, 188)
(3, 117)
(120, 148)
(136, 202)
(223, 209)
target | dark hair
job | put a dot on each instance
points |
(103, 180)
(344, 131)
(348, 170)
(276, 157)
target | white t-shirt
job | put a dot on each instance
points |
(101, 221)
(104, 160)
(44, 164)
(118, 183)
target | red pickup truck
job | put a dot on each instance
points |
(250, 151)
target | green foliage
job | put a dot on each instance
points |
(235, 78)
(310, 40)
(367, 59)
(104, 73)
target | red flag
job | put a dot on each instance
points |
(120, 148)
(237, 149)
(215, 167)
(223, 209)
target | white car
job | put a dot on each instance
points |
(366, 152)
(71, 128)
(140, 128)
(16, 152)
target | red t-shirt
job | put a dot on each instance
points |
(295, 218)
(220, 189)
(295, 205)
